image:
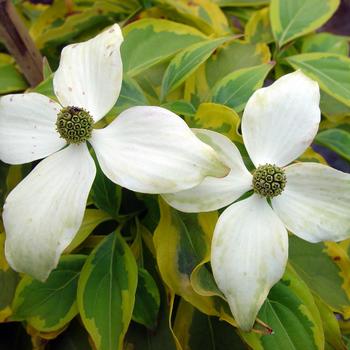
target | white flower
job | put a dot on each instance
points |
(250, 243)
(146, 149)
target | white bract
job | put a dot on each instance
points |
(146, 149)
(250, 243)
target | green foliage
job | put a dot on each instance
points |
(106, 292)
(50, 305)
(149, 284)
(337, 140)
(141, 49)
(235, 89)
(331, 71)
(291, 19)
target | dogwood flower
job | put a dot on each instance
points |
(146, 149)
(250, 242)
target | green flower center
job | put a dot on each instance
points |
(74, 124)
(269, 180)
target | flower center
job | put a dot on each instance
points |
(74, 124)
(269, 180)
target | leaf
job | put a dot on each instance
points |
(331, 328)
(258, 28)
(186, 62)
(106, 194)
(147, 300)
(234, 56)
(11, 79)
(138, 336)
(333, 109)
(182, 242)
(320, 272)
(294, 319)
(45, 88)
(325, 42)
(106, 292)
(224, 3)
(56, 28)
(92, 218)
(235, 89)
(47, 71)
(180, 107)
(203, 14)
(331, 71)
(217, 117)
(197, 331)
(144, 40)
(49, 306)
(130, 95)
(291, 19)
(8, 283)
(337, 140)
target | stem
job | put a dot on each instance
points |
(19, 43)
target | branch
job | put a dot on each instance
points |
(19, 43)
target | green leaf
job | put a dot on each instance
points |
(258, 28)
(106, 194)
(217, 117)
(11, 79)
(325, 42)
(333, 109)
(92, 218)
(226, 3)
(234, 56)
(45, 88)
(292, 315)
(144, 47)
(47, 71)
(291, 19)
(204, 14)
(186, 62)
(138, 336)
(56, 28)
(197, 331)
(331, 71)
(147, 300)
(320, 272)
(8, 283)
(180, 107)
(106, 292)
(235, 89)
(182, 242)
(48, 306)
(130, 95)
(331, 328)
(284, 312)
(337, 140)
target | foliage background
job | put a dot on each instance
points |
(201, 59)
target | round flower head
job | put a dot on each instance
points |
(250, 242)
(139, 150)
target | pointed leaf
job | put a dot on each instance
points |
(337, 140)
(186, 62)
(144, 41)
(235, 89)
(291, 19)
(50, 305)
(331, 71)
(147, 300)
(106, 292)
